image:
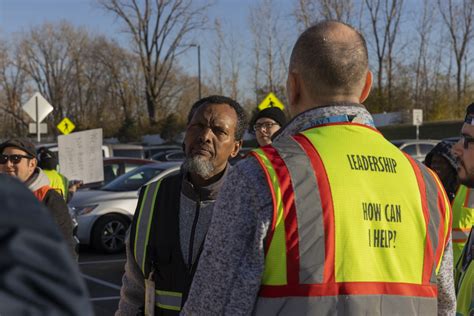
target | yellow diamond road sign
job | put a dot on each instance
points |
(270, 101)
(66, 126)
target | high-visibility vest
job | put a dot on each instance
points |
(58, 182)
(463, 219)
(465, 281)
(358, 226)
(155, 244)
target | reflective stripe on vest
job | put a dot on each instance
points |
(463, 219)
(306, 250)
(168, 300)
(142, 233)
(163, 299)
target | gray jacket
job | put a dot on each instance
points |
(228, 277)
(132, 293)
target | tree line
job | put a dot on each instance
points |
(419, 54)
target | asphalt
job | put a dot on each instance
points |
(103, 276)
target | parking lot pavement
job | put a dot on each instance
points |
(103, 276)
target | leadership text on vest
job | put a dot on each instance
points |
(372, 163)
(378, 212)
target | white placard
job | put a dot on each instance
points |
(80, 156)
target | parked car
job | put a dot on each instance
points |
(417, 148)
(127, 150)
(117, 166)
(104, 215)
(169, 155)
(152, 150)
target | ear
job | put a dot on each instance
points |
(367, 85)
(293, 89)
(235, 150)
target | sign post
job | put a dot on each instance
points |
(37, 108)
(417, 120)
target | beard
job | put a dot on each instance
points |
(468, 179)
(200, 166)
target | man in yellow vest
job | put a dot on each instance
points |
(173, 214)
(465, 279)
(463, 204)
(330, 218)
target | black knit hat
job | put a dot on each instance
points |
(47, 159)
(21, 143)
(469, 119)
(274, 113)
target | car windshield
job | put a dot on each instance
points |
(133, 180)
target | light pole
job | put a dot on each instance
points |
(199, 66)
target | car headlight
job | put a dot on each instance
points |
(83, 210)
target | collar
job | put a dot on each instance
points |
(205, 193)
(37, 180)
(335, 112)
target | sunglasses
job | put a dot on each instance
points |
(15, 159)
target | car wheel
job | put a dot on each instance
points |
(109, 233)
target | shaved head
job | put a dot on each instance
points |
(331, 58)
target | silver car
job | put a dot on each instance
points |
(104, 215)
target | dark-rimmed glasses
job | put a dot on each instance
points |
(266, 125)
(15, 159)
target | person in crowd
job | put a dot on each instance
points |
(463, 150)
(442, 161)
(267, 123)
(463, 203)
(173, 215)
(37, 274)
(48, 162)
(18, 159)
(331, 218)
(465, 279)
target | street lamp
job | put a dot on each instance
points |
(199, 66)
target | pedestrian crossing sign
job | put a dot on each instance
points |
(271, 101)
(66, 126)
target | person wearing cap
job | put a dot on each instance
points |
(267, 123)
(18, 159)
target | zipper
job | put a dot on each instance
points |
(193, 232)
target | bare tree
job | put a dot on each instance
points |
(308, 12)
(384, 23)
(458, 18)
(49, 52)
(12, 85)
(423, 29)
(227, 61)
(158, 30)
(269, 48)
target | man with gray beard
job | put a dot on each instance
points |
(173, 215)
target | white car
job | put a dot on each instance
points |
(417, 148)
(104, 215)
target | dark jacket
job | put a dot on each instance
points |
(56, 205)
(37, 274)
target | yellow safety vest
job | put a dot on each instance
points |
(358, 226)
(463, 219)
(465, 279)
(58, 182)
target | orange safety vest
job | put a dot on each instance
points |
(463, 219)
(41, 192)
(358, 226)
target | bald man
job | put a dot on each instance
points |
(331, 218)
